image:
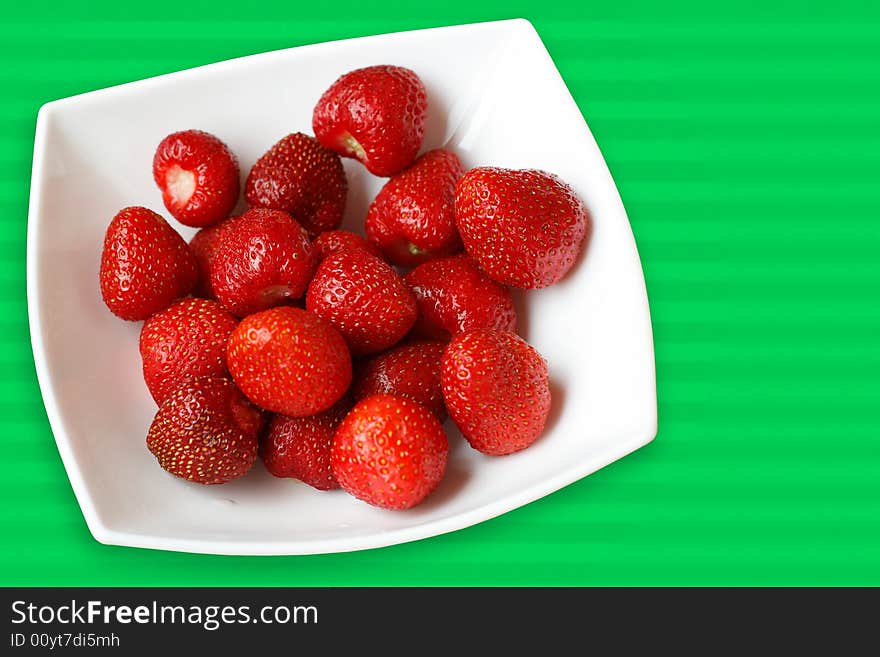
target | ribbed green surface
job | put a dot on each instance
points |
(745, 143)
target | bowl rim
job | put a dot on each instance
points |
(106, 534)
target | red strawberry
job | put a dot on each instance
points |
(364, 298)
(203, 245)
(525, 228)
(185, 340)
(375, 115)
(198, 176)
(145, 264)
(496, 389)
(289, 361)
(411, 370)
(301, 177)
(453, 295)
(299, 447)
(331, 241)
(206, 431)
(389, 452)
(263, 258)
(412, 218)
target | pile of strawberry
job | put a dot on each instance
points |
(273, 332)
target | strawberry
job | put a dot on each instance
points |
(375, 115)
(496, 389)
(363, 298)
(203, 245)
(198, 176)
(263, 258)
(412, 218)
(301, 177)
(289, 361)
(145, 264)
(389, 452)
(185, 340)
(331, 241)
(206, 432)
(524, 228)
(299, 447)
(453, 295)
(411, 370)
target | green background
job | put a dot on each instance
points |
(745, 140)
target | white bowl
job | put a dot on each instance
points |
(497, 99)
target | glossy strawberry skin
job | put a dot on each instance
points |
(390, 452)
(185, 340)
(364, 298)
(525, 228)
(376, 115)
(412, 218)
(145, 264)
(263, 258)
(304, 179)
(198, 176)
(206, 432)
(333, 241)
(204, 245)
(496, 389)
(290, 361)
(410, 370)
(299, 447)
(453, 295)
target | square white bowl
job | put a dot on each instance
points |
(496, 97)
